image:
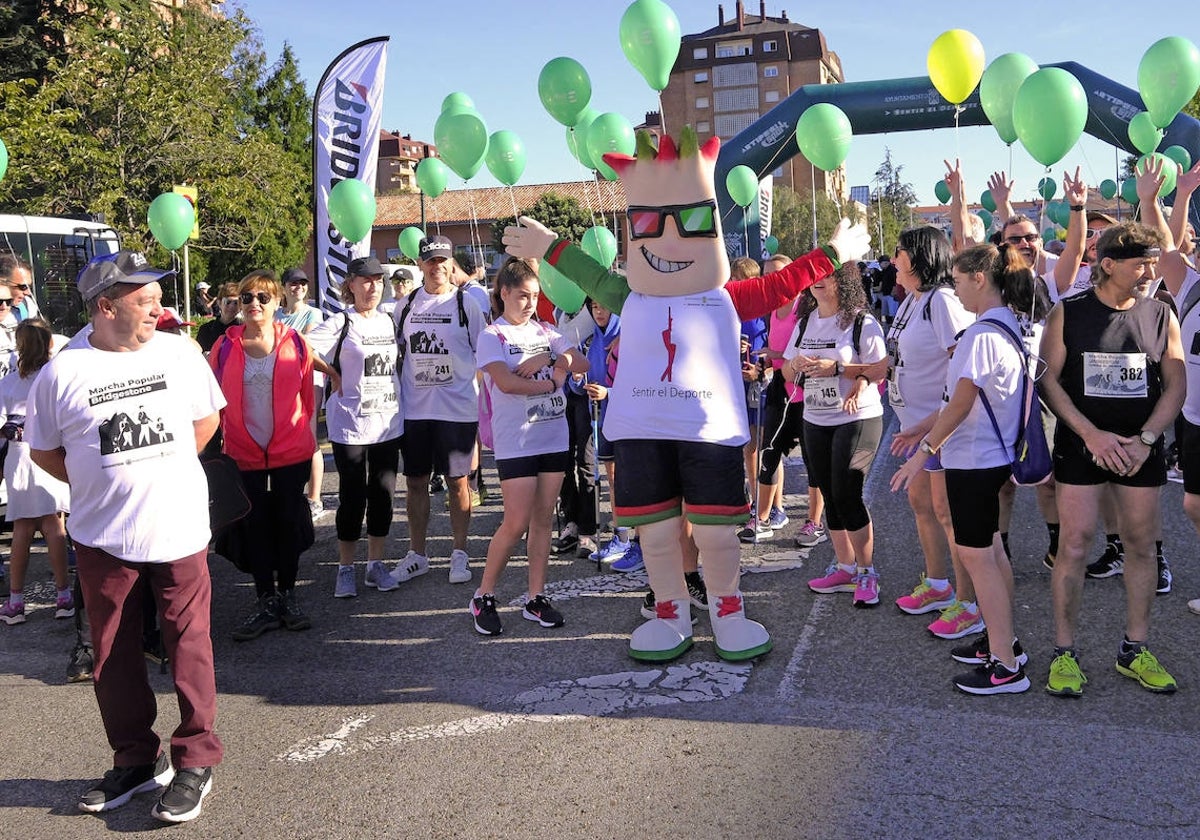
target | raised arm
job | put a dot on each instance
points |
(1076, 195)
(1001, 189)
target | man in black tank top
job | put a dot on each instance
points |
(1115, 378)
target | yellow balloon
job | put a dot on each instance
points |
(955, 63)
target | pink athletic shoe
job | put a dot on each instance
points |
(866, 590)
(835, 580)
(956, 621)
(925, 598)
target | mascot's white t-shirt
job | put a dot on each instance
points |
(126, 419)
(368, 408)
(679, 377)
(438, 379)
(823, 396)
(524, 425)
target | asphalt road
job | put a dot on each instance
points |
(392, 718)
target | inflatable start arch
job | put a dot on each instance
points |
(914, 104)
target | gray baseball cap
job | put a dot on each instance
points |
(102, 273)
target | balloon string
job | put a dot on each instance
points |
(473, 228)
(958, 109)
(513, 197)
(745, 235)
(437, 221)
(813, 175)
(662, 114)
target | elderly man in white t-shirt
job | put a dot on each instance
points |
(139, 517)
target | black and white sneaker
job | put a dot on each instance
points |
(1164, 576)
(756, 531)
(540, 609)
(976, 651)
(79, 667)
(487, 620)
(697, 591)
(992, 678)
(121, 784)
(1108, 564)
(181, 800)
(566, 541)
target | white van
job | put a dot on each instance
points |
(58, 249)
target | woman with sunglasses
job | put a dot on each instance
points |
(920, 341)
(265, 371)
(300, 316)
(17, 275)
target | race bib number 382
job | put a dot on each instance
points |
(1114, 375)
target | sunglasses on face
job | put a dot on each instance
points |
(690, 220)
(1017, 240)
(6, 301)
(24, 287)
(298, 283)
(248, 298)
(1092, 233)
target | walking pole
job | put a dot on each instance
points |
(756, 394)
(595, 407)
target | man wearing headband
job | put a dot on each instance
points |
(1115, 379)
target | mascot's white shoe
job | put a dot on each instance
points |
(665, 637)
(736, 636)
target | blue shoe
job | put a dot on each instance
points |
(614, 549)
(631, 561)
(777, 519)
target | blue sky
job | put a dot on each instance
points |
(494, 51)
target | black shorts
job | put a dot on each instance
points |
(1073, 464)
(974, 497)
(1188, 441)
(530, 466)
(656, 478)
(438, 446)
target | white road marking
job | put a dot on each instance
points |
(564, 590)
(775, 561)
(563, 701)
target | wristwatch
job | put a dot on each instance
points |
(553, 358)
(1148, 437)
(926, 447)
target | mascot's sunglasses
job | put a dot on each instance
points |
(690, 220)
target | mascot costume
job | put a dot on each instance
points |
(676, 411)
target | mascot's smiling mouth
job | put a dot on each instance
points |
(663, 266)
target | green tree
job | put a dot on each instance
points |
(891, 204)
(792, 219)
(130, 110)
(562, 214)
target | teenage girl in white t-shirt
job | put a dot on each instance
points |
(525, 365)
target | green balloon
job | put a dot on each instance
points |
(432, 175)
(506, 157)
(987, 201)
(650, 39)
(1143, 134)
(1170, 172)
(462, 140)
(599, 243)
(3, 159)
(772, 245)
(1049, 235)
(565, 89)
(742, 184)
(410, 242)
(942, 190)
(457, 102)
(171, 218)
(1168, 77)
(352, 209)
(1062, 214)
(1108, 188)
(1051, 90)
(562, 292)
(577, 138)
(1129, 191)
(1047, 187)
(609, 132)
(986, 218)
(1176, 153)
(998, 89)
(823, 133)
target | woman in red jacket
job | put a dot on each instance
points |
(265, 370)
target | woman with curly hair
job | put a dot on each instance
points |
(838, 350)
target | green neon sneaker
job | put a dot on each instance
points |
(1143, 667)
(1066, 680)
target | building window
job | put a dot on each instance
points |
(703, 127)
(770, 46)
(771, 96)
(770, 72)
(702, 102)
(701, 77)
(729, 125)
(731, 49)
(700, 53)
(735, 75)
(736, 99)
